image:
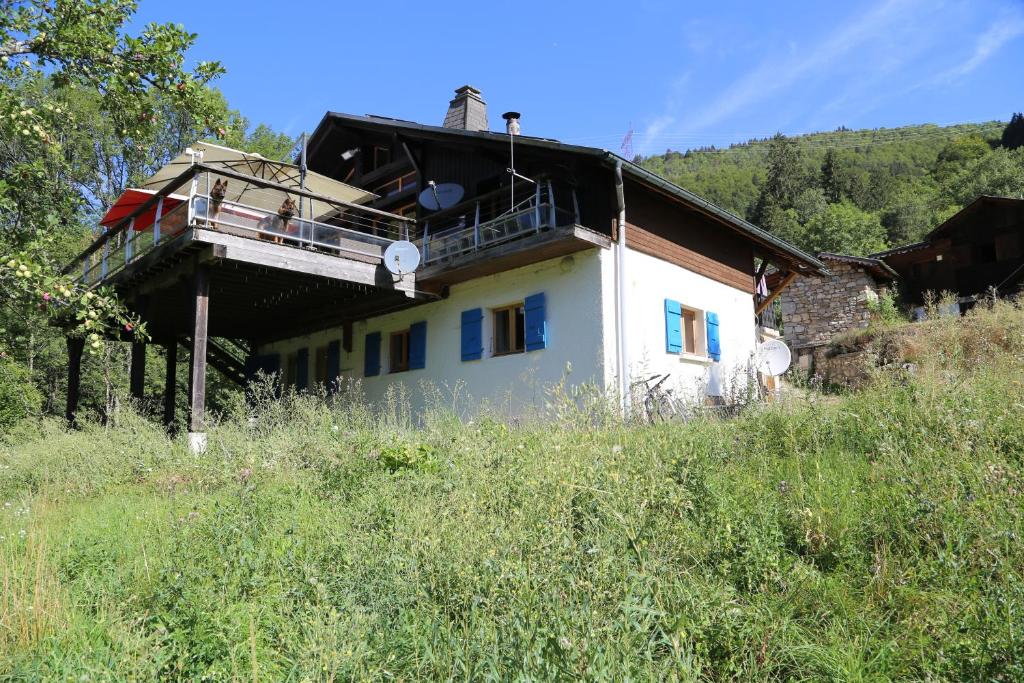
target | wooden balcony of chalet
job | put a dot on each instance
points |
(489, 233)
(233, 246)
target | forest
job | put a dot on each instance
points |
(854, 191)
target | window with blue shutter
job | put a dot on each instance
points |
(472, 334)
(673, 326)
(418, 345)
(301, 369)
(714, 343)
(536, 322)
(333, 365)
(371, 359)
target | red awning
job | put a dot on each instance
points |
(131, 200)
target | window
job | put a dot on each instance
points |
(381, 156)
(689, 331)
(509, 329)
(398, 352)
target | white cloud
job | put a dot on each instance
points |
(778, 73)
(988, 43)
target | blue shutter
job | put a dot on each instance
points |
(673, 326)
(371, 361)
(714, 343)
(418, 345)
(536, 322)
(472, 334)
(301, 369)
(333, 365)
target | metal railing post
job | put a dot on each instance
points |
(476, 227)
(552, 218)
(536, 209)
(129, 240)
(426, 241)
(156, 221)
(103, 259)
(575, 206)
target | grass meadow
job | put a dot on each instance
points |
(865, 536)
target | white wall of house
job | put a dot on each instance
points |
(512, 384)
(580, 294)
(650, 281)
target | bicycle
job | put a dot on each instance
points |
(660, 404)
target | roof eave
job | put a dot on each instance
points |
(808, 262)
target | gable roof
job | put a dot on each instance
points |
(972, 208)
(877, 267)
(793, 257)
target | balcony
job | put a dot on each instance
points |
(281, 260)
(455, 242)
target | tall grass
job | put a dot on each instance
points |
(869, 536)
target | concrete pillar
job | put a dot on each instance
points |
(197, 388)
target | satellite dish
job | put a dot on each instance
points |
(401, 257)
(773, 357)
(443, 196)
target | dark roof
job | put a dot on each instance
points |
(900, 250)
(877, 267)
(800, 261)
(969, 210)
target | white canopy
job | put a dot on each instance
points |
(255, 165)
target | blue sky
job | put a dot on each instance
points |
(681, 74)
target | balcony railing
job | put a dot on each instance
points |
(353, 231)
(468, 232)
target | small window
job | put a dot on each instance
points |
(689, 331)
(509, 326)
(399, 351)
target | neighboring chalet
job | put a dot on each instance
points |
(975, 252)
(580, 266)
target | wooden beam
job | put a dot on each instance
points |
(772, 295)
(75, 347)
(137, 372)
(170, 382)
(200, 323)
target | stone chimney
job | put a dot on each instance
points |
(467, 110)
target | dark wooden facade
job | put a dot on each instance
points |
(979, 248)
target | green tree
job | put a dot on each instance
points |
(262, 140)
(785, 177)
(1000, 173)
(843, 229)
(958, 153)
(830, 172)
(1013, 134)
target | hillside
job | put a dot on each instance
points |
(870, 536)
(902, 180)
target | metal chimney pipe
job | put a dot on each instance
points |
(511, 122)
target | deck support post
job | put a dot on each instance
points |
(137, 371)
(170, 382)
(75, 347)
(197, 385)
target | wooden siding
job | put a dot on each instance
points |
(687, 239)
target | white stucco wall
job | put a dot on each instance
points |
(649, 282)
(513, 384)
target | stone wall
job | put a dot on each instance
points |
(851, 369)
(815, 309)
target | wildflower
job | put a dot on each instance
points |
(46, 296)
